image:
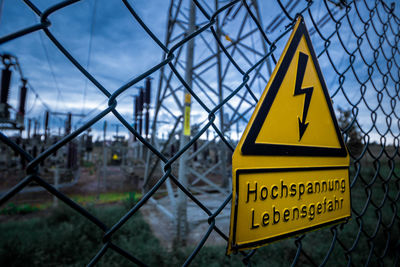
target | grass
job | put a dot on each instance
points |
(104, 198)
(65, 238)
(12, 209)
(68, 239)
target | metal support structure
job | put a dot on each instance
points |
(228, 79)
(208, 74)
(222, 147)
(140, 116)
(181, 218)
(104, 167)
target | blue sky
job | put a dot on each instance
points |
(120, 50)
(105, 39)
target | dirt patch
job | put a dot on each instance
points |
(89, 181)
(92, 181)
(163, 227)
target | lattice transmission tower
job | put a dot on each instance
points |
(205, 166)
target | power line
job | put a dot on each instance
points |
(93, 110)
(38, 97)
(1, 9)
(59, 95)
(89, 52)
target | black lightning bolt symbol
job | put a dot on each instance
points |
(301, 68)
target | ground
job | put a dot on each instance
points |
(90, 188)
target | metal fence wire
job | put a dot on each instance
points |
(359, 42)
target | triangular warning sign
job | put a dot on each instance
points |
(290, 151)
(294, 116)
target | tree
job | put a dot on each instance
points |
(353, 142)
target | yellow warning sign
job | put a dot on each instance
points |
(290, 167)
(186, 123)
(304, 124)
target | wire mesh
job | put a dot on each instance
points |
(358, 41)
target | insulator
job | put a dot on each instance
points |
(148, 91)
(89, 143)
(104, 130)
(46, 124)
(195, 150)
(22, 98)
(35, 128)
(5, 85)
(205, 154)
(46, 121)
(140, 107)
(29, 128)
(147, 123)
(135, 117)
(71, 155)
(68, 124)
(136, 106)
(141, 100)
(140, 124)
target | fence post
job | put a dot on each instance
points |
(56, 181)
(104, 169)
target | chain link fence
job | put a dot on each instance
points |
(357, 43)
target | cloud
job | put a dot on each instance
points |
(121, 50)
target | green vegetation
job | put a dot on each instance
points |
(65, 238)
(353, 142)
(128, 198)
(12, 209)
(68, 239)
(105, 198)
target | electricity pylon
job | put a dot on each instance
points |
(212, 76)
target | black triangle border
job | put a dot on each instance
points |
(250, 147)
